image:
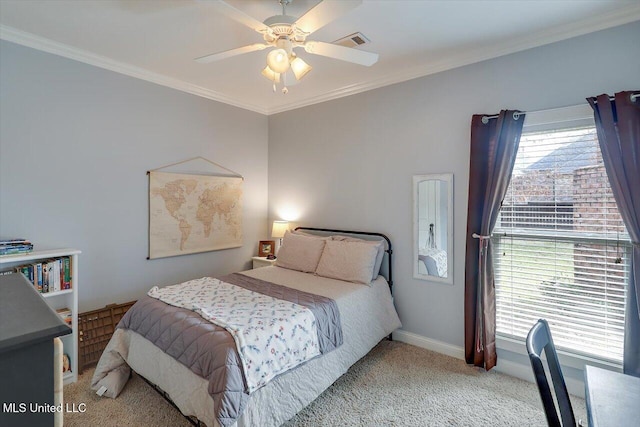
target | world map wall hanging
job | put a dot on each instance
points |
(191, 213)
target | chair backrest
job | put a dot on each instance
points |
(539, 340)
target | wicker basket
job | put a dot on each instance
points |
(95, 330)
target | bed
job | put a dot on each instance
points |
(435, 261)
(366, 314)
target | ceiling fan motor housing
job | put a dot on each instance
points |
(283, 42)
(283, 25)
(277, 20)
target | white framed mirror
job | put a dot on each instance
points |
(433, 227)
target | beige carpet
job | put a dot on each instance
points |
(396, 384)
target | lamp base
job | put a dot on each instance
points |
(278, 245)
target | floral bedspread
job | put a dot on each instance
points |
(272, 335)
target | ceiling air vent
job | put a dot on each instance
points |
(352, 40)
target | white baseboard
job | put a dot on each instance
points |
(429, 344)
(508, 367)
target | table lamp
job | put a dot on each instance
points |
(279, 228)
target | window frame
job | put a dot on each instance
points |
(557, 119)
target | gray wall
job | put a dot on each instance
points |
(75, 144)
(76, 141)
(348, 163)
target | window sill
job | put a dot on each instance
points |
(573, 360)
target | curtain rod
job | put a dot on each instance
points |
(516, 116)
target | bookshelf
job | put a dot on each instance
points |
(64, 298)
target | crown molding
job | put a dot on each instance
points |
(40, 43)
(563, 32)
(619, 17)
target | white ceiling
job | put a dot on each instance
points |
(157, 40)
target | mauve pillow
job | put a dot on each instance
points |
(348, 261)
(299, 252)
(379, 244)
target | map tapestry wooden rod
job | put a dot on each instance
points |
(197, 158)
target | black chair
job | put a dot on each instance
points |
(539, 339)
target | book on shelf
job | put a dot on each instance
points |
(56, 275)
(12, 241)
(65, 315)
(27, 270)
(15, 249)
(66, 273)
(52, 275)
(45, 277)
(37, 275)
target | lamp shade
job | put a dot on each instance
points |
(269, 74)
(300, 68)
(279, 228)
(278, 60)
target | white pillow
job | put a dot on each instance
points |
(315, 236)
(348, 261)
(379, 244)
(299, 252)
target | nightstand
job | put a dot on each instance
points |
(261, 261)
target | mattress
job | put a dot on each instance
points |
(367, 315)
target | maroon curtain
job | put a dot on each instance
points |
(494, 145)
(618, 126)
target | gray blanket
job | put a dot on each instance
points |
(209, 350)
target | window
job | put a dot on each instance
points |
(561, 248)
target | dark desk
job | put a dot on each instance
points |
(27, 328)
(613, 399)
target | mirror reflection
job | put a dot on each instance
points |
(432, 227)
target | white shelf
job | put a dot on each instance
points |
(40, 254)
(65, 298)
(55, 294)
(68, 377)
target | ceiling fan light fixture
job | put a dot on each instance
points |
(271, 75)
(278, 60)
(284, 32)
(300, 68)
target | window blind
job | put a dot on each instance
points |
(561, 248)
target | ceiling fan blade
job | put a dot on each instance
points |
(229, 53)
(343, 53)
(239, 16)
(325, 12)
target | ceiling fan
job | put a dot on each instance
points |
(285, 33)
